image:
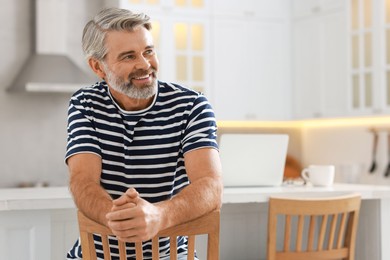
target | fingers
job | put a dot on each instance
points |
(131, 195)
(121, 212)
(129, 231)
(123, 206)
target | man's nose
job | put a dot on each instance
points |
(142, 63)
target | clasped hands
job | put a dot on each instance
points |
(133, 219)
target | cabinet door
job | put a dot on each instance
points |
(64, 231)
(25, 235)
(251, 76)
(229, 63)
(302, 8)
(334, 59)
(320, 66)
(306, 68)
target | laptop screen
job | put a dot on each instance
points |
(253, 159)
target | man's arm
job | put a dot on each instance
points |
(85, 170)
(204, 194)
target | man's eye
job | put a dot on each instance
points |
(149, 52)
(129, 57)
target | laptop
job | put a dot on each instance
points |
(253, 160)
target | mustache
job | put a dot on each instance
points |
(140, 73)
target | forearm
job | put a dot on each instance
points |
(91, 199)
(195, 200)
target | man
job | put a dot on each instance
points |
(142, 153)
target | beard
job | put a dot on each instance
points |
(129, 89)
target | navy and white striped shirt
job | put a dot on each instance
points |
(141, 149)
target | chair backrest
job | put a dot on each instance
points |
(315, 228)
(206, 225)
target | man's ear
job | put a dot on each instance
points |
(97, 67)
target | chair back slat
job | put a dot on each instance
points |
(155, 249)
(310, 239)
(342, 230)
(287, 233)
(191, 247)
(332, 231)
(138, 251)
(208, 224)
(88, 238)
(106, 247)
(317, 228)
(299, 242)
(321, 236)
(173, 242)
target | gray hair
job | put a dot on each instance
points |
(110, 19)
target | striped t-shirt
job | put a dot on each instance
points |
(141, 149)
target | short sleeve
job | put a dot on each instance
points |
(201, 129)
(82, 135)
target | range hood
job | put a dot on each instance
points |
(49, 69)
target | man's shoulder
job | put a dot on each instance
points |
(99, 89)
(174, 88)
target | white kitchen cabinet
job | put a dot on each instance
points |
(24, 236)
(319, 66)
(319, 60)
(369, 39)
(37, 234)
(251, 74)
(341, 64)
(250, 61)
(64, 231)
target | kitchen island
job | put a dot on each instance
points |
(43, 220)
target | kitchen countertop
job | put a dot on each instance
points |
(261, 194)
(35, 198)
(60, 198)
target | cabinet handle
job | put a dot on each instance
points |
(377, 111)
(249, 13)
(317, 114)
(316, 9)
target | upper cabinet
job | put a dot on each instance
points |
(319, 58)
(250, 60)
(369, 38)
(279, 59)
(341, 60)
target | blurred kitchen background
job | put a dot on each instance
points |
(318, 70)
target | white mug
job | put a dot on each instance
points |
(319, 175)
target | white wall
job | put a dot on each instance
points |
(33, 126)
(349, 148)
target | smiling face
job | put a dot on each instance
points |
(130, 66)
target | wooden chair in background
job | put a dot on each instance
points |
(327, 225)
(208, 224)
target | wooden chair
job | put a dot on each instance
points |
(208, 224)
(327, 225)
